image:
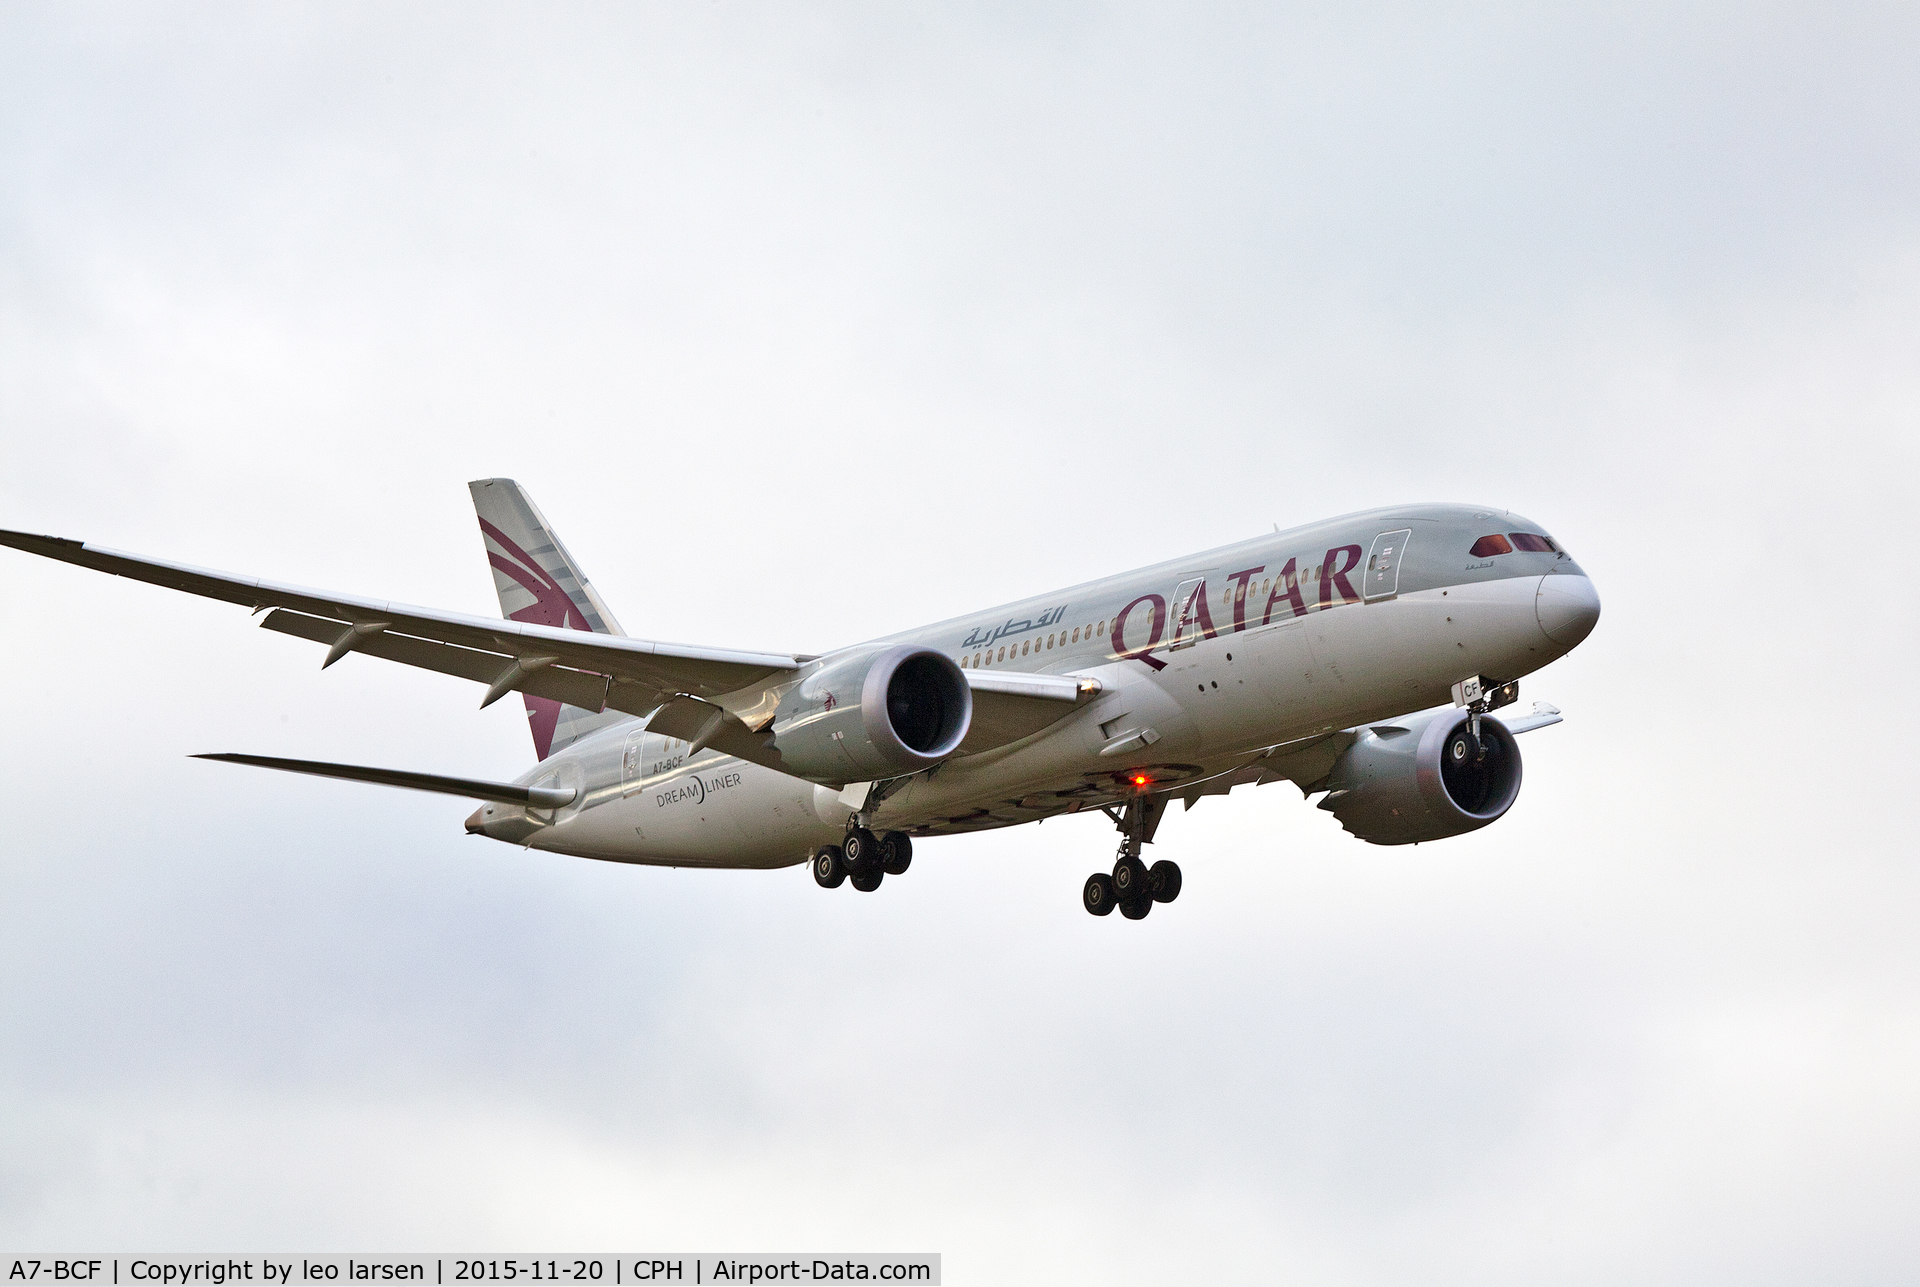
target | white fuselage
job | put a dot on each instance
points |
(1180, 701)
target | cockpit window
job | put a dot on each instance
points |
(1488, 546)
(1533, 543)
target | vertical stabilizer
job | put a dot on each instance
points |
(539, 583)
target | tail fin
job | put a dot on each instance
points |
(539, 583)
(537, 579)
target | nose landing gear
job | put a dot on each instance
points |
(1480, 696)
(1134, 887)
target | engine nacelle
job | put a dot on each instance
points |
(1418, 779)
(874, 715)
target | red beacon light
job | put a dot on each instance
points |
(1141, 779)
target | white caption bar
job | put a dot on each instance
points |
(599, 1270)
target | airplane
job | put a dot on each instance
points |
(1361, 658)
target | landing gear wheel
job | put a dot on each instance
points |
(867, 882)
(1136, 909)
(1097, 894)
(861, 853)
(828, 869)
(1130, 879)
(896, 853)
(1163, 880)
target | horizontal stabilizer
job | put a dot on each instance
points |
(502, 792)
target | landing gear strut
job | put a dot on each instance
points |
(1480, 696)
(1134, 887)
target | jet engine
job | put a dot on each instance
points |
(874, 715)
(1424, 778)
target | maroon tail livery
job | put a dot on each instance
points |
(541, 584)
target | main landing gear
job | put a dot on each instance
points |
(866, 858)
(1134, 887)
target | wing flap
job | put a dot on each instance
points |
(707, 725)
(562, 684)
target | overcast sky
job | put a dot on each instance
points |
(807, 324)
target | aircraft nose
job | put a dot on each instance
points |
(1567, 608)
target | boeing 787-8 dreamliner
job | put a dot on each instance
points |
(1361, 657)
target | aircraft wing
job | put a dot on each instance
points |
(581, 668)
(1009, 705)
(1307, 761)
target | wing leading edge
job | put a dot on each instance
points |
(593, 671)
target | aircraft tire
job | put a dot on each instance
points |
(1130, 879)
(1097, 894)
(861, 853)
(868, 881)
(1163, 879)
(1136, 909)
(828, 869)
(896, 853)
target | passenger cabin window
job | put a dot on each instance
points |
(1533, 543)
(1488, 546)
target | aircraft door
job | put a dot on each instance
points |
(1184, 614)
(1383, 565)
(564, 774)
(632, 767)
